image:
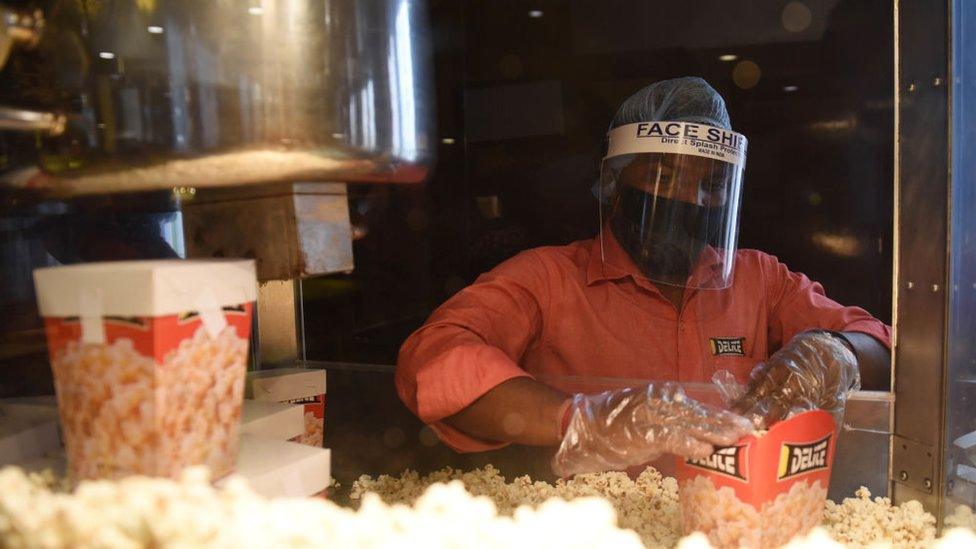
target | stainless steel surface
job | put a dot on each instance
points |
(862, 447)
(279, 322)
(291, 230)
(870, 412)
(914, 464)
(183, 93)
(921, 198)
(25, 120)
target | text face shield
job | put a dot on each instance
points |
(676, 191)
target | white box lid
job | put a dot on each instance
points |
(144, 288)
(283, 384)
(277, 420)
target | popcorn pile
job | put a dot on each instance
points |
(650, 507)
(154, 512)
(862, 520)
(962, 517)
(161, 513)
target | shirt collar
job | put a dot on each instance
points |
(609, 261)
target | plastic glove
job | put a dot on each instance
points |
(618, 429)
(816, 369)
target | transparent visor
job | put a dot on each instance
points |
(675, 214)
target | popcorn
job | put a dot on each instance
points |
(695, 540)
(957, 538)
(121, 413)
(448, 508)
(648, 506)
(963, 517)
(314, 430)
(729, 522)
(818, 538)
(861, 520)
(139, 512)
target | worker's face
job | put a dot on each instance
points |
(691, 179)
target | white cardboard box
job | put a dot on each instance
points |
(277, 468)
(29, 437)
(282, 421)
(297, 386)
(277, 420)
(273, 468)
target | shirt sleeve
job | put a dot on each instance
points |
(797, 303)
(471, 344)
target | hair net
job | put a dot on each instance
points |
(685, 99)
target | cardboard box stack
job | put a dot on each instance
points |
(296, 386)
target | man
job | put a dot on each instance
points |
(662, 293)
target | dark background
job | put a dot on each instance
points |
(523, 104)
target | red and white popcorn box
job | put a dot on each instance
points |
(303, 386)
(149, 361)
(763, 490)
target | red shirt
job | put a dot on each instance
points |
(572, 311)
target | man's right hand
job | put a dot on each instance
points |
(618, 429)
(813, 370)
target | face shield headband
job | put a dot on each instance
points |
(675, 192)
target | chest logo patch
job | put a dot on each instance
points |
(727, 346)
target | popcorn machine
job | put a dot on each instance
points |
(173, 128)
(180, 129)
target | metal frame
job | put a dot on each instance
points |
(935, 263)
(921, 204)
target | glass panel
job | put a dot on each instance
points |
(522, 127)
(960, 452)
(371, 433)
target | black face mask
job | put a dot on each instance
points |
(664, 245)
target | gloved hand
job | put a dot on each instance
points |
(617, 429)
(814, 370)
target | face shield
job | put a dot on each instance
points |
(675, 191)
